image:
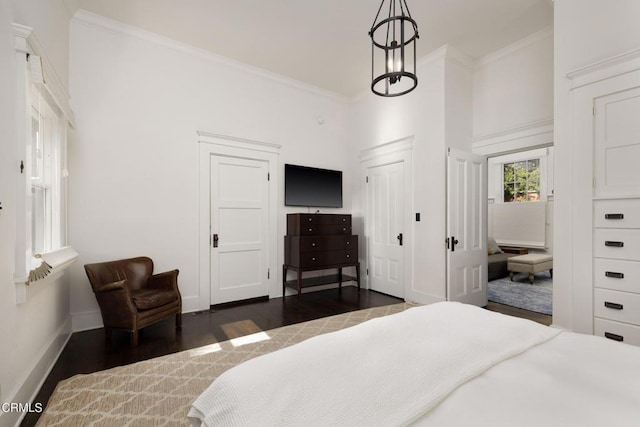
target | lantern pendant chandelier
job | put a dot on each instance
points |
(393, 50)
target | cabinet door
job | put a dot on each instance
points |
(617, 143)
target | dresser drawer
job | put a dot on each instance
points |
(616, 305)
(325, 243)
(616, 274)
(617, 331)
(616, 243)
(623, 213)
(308, 224)
(324, 230)
(330, 258)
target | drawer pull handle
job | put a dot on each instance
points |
(348, 256)
(613, 305)
(614, 337)
(310, 220)
(313, 244)
(311, 229)
(348, 243)
(344, 219)
(614, 274)
(614, 244)
(614, 216)
(313, 259)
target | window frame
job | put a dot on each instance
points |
(515, 166)
(40, 95)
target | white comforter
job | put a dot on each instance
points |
(387, 371)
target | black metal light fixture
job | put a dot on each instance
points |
(393, 50)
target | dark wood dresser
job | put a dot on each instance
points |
(319, 242)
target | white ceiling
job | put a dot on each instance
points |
(325, 42)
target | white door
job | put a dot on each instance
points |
(386, 221)
(239, 229)
(466, 228)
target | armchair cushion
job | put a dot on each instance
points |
(145, 299)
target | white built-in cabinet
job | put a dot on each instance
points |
(607, 132)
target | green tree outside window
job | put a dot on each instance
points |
(522, 181)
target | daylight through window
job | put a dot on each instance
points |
(521, 181)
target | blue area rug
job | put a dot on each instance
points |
(522, 294)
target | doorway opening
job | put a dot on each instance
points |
(520, 229)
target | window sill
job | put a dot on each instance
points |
(45, 268)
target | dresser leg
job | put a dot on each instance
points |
(358, 274)
(340, 278)
(299, 283)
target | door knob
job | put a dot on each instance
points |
(215, 240)
(400, 238)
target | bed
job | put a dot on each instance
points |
(443, 364)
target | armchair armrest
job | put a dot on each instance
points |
(167, 280)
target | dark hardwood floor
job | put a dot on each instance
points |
(88, 352)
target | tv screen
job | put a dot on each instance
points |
(305, 186)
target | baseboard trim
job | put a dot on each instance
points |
(86, 321)
(30, 385)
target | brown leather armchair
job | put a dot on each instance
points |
(131, 297)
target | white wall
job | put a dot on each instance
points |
(139, 100)
(586, 31)
(33, 333)
(437, 114)
(513, 96)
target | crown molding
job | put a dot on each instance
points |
(100, 22)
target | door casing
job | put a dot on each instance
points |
(400, 150)
(224, 145)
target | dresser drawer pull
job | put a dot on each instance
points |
(614, 274)
(614, 216)
(310, 230)
(614, 244)
(348, 256)
(614, 337)
(613, 305)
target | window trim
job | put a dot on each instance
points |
(30, 267)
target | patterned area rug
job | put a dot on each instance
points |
(159, 392)
(522, 294)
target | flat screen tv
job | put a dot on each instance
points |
(312, 187)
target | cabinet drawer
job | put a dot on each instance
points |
(617, 331)
(617, 213)
(324, 229)
(331, 258)
(616, 274)
(616, 243)
(327, 243)
(616, 305)
(299, 224)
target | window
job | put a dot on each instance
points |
(521, 181)
(46, 172)
(43, 115)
